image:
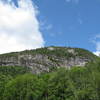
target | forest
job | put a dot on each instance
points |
(77, 83)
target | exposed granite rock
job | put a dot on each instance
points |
(43, 62)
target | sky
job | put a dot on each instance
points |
(30, 24)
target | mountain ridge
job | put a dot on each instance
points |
(48, 58)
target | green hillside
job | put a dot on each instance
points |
(76, 83)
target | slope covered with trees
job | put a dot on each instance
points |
(78, 83)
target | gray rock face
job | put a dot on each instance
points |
(42, 62)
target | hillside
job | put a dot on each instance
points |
(48, 58)
(19, 79)
(78, 83)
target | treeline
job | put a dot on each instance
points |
(78, 83)
(56, 51)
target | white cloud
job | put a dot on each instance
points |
(45, 25)
(73, 1)
(96, 41)
(48, 27)
(97, 53)
(19, 27)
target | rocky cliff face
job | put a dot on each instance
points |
(47, 59)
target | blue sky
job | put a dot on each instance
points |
(74, 23)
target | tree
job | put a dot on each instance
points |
(25, 87)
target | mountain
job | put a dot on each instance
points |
(48, 58)
(19, 78)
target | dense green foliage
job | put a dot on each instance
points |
(78, 83)
(13, 70)
(25, 87)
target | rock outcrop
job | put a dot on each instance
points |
(47, 59)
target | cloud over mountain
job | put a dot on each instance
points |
(96, 42)
(19, 26)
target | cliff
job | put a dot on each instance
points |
(48, 58)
